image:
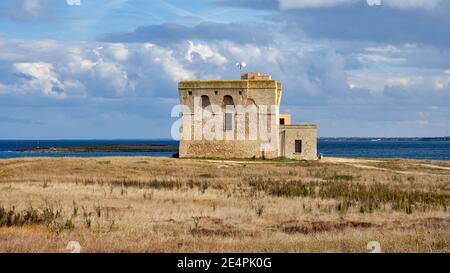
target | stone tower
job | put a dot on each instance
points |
(238, 119)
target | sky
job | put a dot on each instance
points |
(108, 69)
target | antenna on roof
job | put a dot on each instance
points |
(241, 65)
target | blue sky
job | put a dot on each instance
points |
(109, 68)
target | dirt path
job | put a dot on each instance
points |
(435, 167)
(362, 163)
(354, 162)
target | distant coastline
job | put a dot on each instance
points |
(436, 148)
(134, 148)
(385, 138)
(119, 148)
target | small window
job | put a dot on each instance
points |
(282, 122)
(190, 93)
(298, 146)
(228, 121)
(240, 92)
(216, 92)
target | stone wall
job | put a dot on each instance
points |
(243, 93)
(306, 133)
(254, 89)
(286, 118)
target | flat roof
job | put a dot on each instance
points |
(231, 84)
(299, 126)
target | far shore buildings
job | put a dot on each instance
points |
(241, 119)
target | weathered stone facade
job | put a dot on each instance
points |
(241, 138)
(306, 134)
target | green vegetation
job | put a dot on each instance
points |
(367, 197)
(10, 217)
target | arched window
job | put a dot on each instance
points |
(229, 117)
(251, 119)
(205, 102)
(228, 100)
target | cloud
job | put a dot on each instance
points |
(250, 4)
(368, 24)
(393, 21)
(113, 79)
(205, 53)
(417, 88)
(402, 4)
(316, 72)
(119, 51)
(295, 4)
(167, 33)
(33, 8)
(385, 54)
(373, 2)
(406, 4)
(24, 10)
(41, 78)
(4, 119)
(381, 62)
(66, 71)
(107, 81)
(169, 63)
(306, 4)
(246, 53)
(73, 2)
(401, 57)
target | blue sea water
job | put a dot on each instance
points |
(426, 150)
(8, 148)
(431, 150)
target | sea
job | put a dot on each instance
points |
(379, 148)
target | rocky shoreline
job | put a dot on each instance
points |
(125, 148)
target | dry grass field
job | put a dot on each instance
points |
(183, 205)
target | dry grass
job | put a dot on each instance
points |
(176, 205)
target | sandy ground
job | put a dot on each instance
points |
(369, 164)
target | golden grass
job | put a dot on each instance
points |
(186, 205)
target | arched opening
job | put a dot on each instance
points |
(228, 100)
(205, 102)
(228, 105)
(206, 106)
(251, 119)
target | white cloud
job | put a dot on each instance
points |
(41, 78)
(113, 76)
(273, 55)
(384, 49)
(308, 73)
(3, 88)
(205, 53)
(373, 2)
(379, 58)
(99, 69)
(120, 52)
(377, 82)
(77, 64)
(32, 7)
(245, 53)
(296, 4)
(403, 4)
(73, 2)
(168, 62)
